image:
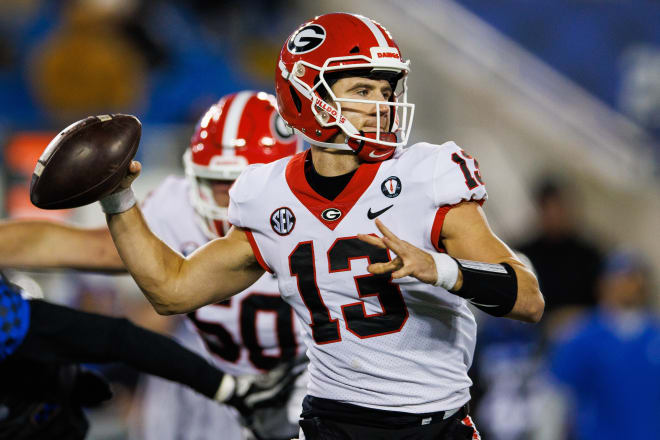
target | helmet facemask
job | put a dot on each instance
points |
(211, 217)
(327, 107)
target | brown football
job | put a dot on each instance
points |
(85, 162)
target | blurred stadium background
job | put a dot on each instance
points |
(549, 95)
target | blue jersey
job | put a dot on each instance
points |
(14, 318)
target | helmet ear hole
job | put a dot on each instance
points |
(296, 99)
(356, 49)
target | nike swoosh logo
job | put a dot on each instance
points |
(373, 215)
(376, 156)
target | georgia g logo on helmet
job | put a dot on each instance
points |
(306, 39)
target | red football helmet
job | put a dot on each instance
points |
(342, 42)
(241, 129)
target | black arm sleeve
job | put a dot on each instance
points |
(492, 288)
(63, 335)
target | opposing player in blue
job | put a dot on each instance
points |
(42, 388)
(14, 318)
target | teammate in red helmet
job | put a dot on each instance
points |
(241, 129)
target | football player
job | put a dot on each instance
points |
(385, 311)
(249, 334)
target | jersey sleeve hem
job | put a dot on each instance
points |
(439, 221)
(257, 252)
(436, 229)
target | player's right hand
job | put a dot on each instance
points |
(133, 172)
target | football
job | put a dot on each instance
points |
(85, 161)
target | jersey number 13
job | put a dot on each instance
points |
(326, 329)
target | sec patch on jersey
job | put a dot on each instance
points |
(85, 161)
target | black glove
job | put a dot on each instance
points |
(270, 389)
(49, 382)
(89, 388)
(43, 401)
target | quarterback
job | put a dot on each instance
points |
(378, 248)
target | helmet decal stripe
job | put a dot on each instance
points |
(382, 42)
(233, 120)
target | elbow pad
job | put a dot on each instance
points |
(493, 288)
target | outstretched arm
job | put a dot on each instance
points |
(172, 283)
(59, 334)
(38, 244)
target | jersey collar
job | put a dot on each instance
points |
(316, 203)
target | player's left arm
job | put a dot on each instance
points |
(503, 286)
(466, 235)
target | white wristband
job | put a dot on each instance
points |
(118, 202)
(226, 388)
(447, 270)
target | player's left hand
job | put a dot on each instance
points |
(410, 260)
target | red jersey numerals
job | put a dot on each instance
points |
(472, 180)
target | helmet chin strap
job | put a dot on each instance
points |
(324, 144)
(365, 150)
(348, 129)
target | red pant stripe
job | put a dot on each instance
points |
(468, 422)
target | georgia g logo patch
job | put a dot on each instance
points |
(331, 214)
(282, 221)
(306, 39)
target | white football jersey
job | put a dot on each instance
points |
(252, 331)
(397, 345)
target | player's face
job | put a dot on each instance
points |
(364, 116)
(220, 190)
